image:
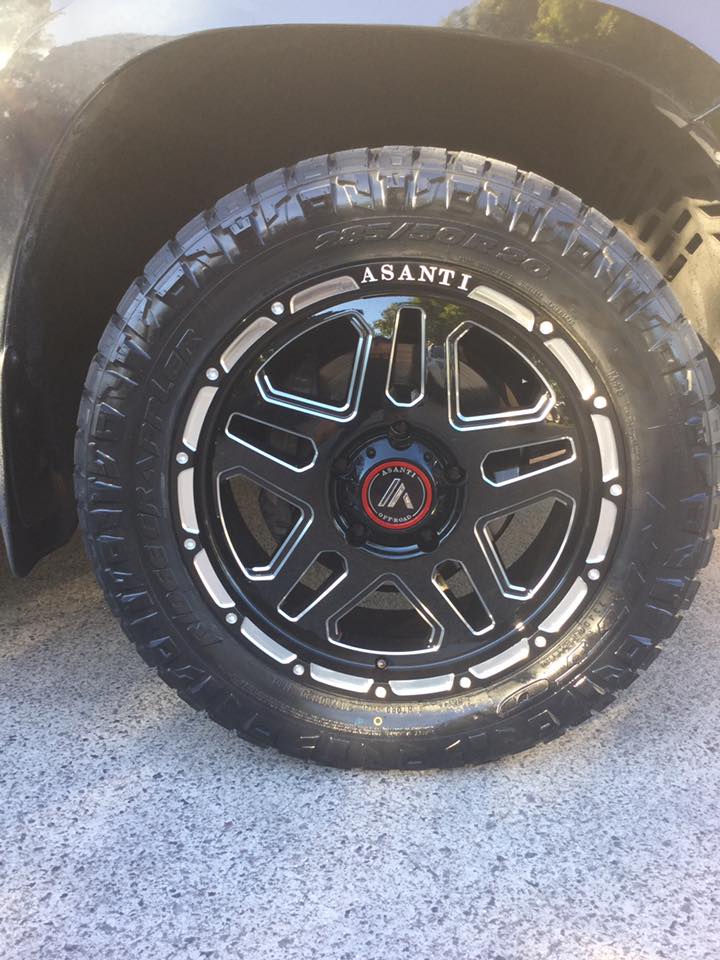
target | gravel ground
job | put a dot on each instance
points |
(131, 827)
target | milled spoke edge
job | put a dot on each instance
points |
(493, 420)
(440, 583)
(406, 317)
(426, 609)
(343, 413)
(507, 589)
(561, 482)
(235, 453)
(271, 569)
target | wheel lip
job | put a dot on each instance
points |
(367, 506)
(399, 290)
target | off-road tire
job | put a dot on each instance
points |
(541, 240)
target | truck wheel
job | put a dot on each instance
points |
(398, 458)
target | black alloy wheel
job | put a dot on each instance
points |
(373, 461)
(396, 487)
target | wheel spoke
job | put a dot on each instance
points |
(504, 608)
(281, 463)
(517, 434)
(490, 383)
(474, 446)
(299, 557)
(299, 377)
(284, 418)
(334, 602)
(417, 578)
(486, 500)
(500, 602)
(454, 584)
(406, 367)
(373, 397)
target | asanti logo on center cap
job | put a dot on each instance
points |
(396, 494)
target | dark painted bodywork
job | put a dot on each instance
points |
(61, 59)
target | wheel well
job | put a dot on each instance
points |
(193, 119)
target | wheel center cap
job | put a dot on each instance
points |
(396, 494)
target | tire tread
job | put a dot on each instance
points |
(251, 217)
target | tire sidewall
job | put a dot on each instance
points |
(187, 343)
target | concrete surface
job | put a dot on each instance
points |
(132, 828)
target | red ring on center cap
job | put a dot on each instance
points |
(420, 474)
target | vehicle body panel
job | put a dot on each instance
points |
(55, 57)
